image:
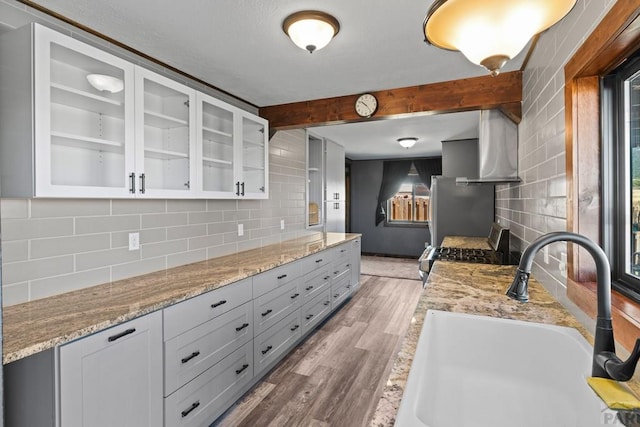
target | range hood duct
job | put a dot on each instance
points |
(497, 150)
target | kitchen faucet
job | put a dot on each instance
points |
(605, 362)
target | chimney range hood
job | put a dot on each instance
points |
(497, 150)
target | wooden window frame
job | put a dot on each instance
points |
(610, 43)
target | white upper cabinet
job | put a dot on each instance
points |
(165, 136)
(76, 121)
(233, 151)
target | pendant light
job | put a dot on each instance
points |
(490, 32)
(311, 29)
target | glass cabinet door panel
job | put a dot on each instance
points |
(254, 156)
(90, 116)
(164, 134)
(216, 145)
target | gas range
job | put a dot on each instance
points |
(498, 240)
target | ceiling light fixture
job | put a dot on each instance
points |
(407, 142)
(490, 32)
(310, 29)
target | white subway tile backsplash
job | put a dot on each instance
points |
(124, 207)
(136, 268)
(43, 248)
(202, 242)
(90, 225)
(164, 220)
(48, 208)
(121, 239)
(93, 260)
(49, 286)
(14, 208)
(186, 205)
(15, 251)
(15, 272)
(153, 250)
(36, 228)
(205, 217)
(186, 258)
(186, 231)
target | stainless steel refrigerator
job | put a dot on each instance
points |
(460, 210)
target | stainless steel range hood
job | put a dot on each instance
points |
(497, 150)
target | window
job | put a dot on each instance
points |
(410, 205)
(621, 166)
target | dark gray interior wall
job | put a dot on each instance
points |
(366, 176)
(460, 158)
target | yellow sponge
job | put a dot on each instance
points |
(614, 394)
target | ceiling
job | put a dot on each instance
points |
(239, 46)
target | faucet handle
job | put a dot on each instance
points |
(623, 371)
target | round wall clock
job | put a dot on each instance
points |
(366, 105)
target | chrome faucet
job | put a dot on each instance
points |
(605, 362)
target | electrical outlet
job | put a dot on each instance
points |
(282, 224)
(545, 251)
(240, 229)
(134, 241)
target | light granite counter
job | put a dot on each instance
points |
(473, 289)
(42, 324)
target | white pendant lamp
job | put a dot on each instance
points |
(310, 29)
(407, 142)
(490, 32)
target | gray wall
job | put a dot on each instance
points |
(366, 176)
(539, 204)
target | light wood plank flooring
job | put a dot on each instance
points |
(336, 377)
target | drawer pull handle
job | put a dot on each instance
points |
(191, 356)
(266, 312)
(327, 302)
(112, 338)
(295, 327)
(336, 272)
(282, 276)
(294, 296)
(348, 286)
(327, 277)
(267, 350)
(349, 265)
(187, 411)
(244, 325)
(336, 295)
(318, 260)
(309, 316)
(239, 371)
(343, 251)
(219, 303)
(308, 288)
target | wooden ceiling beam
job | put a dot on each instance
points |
(503, 92)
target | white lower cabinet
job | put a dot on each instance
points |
(314, 311)
(114, 377)
(207, 396)
(271, 345)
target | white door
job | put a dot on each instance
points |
(253, 171)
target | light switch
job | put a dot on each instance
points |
(134, 241)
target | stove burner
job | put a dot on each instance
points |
(480, 256)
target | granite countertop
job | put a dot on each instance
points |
(42, 324)
(466, 242)
(473, 289)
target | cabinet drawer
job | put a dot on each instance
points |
(315, 261)
(315, 310)
(205, 398)
(193, 352)
(342, 252)
(341, 269)
(340, 291)
(274, 343)
(273, 279)
(274, 306)
(190, 313)
(313, 283)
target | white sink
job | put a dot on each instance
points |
(480, 371)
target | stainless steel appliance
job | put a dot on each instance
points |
(460, 210)
(498, 241)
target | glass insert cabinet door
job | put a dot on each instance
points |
(216, 145)
(253, 181)
(165, 137)
(632, 171)
(84, 118)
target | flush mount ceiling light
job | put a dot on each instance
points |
(490, 32)
(310, 29)
(407, 142)
(103, 82)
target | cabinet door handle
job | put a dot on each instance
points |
(191, 356)
(327, 302)
(219, 303)
(267, 350)
(132, 186)
(142, 183)
(242, 187)
(294, 296)
(241, 370)
(187, 411)
(282, 276)
(349, 265)
(343, 251)
(348, 286)
(244, 325)
(336, 295)
(327, 277)
(238, 188)
(266, 312)
(318, 260)
(295, 327)
(309, 316)
(121, 334)
(336, 272)
(308, 288)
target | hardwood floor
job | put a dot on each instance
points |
(335, 378)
